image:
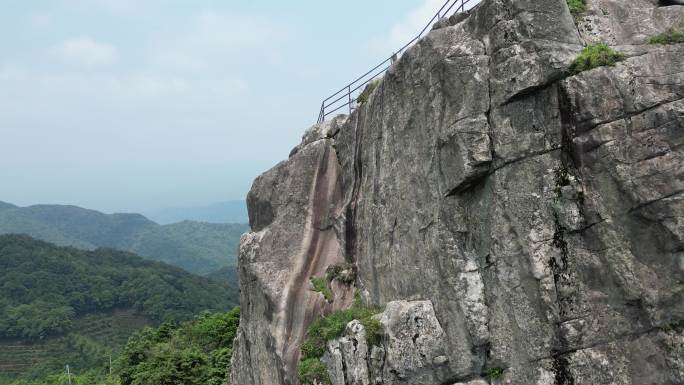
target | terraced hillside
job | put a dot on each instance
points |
(95, 337)
(17, 356)
(60, 305)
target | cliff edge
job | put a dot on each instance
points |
(514, 223)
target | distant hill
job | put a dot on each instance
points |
(223, 212)
(197, 247)
(227, 275)
(5, 206)
(64, 305)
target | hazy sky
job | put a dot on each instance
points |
(129, 105)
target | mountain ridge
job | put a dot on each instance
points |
(6, 206)
(195, 246)
(234, 211)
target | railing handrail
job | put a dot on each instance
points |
(347, 91)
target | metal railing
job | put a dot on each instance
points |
(344, 97)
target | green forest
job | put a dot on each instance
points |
(195, 352)
(62, 305)
(198, 247)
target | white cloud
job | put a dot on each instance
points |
(90, 93)
(85, 52)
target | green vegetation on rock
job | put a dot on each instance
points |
(321, 285)
(312, 371)
(673, 326)
(494, 373)
(372, 85)
(668, 37)
(344, 272)
(594, 56)
(577, 7)
(328, 328)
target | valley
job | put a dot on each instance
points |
(65, 306)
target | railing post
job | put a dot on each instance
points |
(350, 100)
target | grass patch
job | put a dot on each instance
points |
(328, 328)
(332, 326)
(668, 37)
(321, 285)
(594, 56)
(373, 328)
(312, 371)
(677, 326)
(577, 7)
(363, 98)
(494, 373)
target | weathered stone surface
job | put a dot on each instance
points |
(293, 213)
(475, 382)
(623, 23)
(533, 220)
(321, 131)
(412, 350)
(415, 352)
(348, 357)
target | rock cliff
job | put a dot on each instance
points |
(517, 224)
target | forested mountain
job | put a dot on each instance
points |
(197, 247)
(6, 206)
(63, 305)
(227, 275)
(44, 287)
(222, 212)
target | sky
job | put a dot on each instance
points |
(134, 105)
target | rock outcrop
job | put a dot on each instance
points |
(413, 350)
(520, 225)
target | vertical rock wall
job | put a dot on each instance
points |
(539, 215)
(292, 209)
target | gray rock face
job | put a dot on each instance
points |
(292, 213)
(533, 220)
(412, 350)
(625, 24)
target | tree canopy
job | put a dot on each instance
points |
(195, 352)
(43, 287)
(198, 247)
